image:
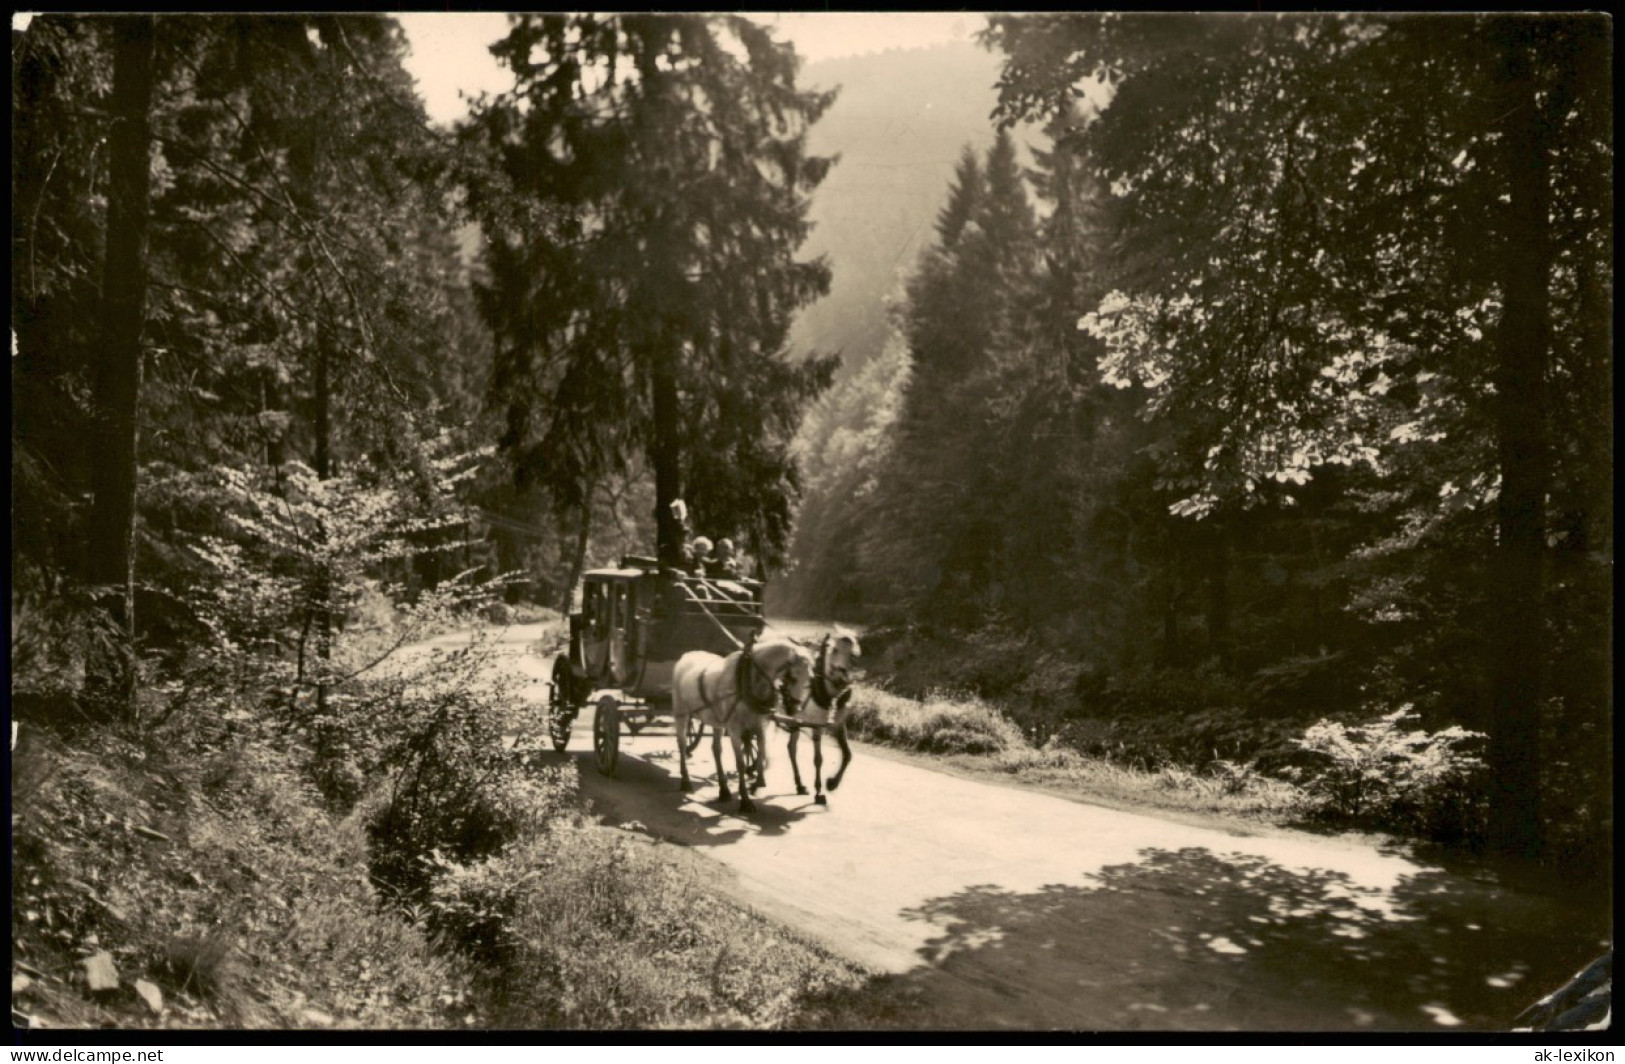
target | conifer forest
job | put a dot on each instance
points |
(1235, 398)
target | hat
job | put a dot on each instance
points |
(702, 545)
(725, 544)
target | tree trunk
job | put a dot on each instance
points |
(1518, 642)
(666, 456)
(1170, 632)
(1218, 606)
(578, 560)
(271, 399)
(305, 164)
(110, 562)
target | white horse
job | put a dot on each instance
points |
(830, 695)
(734, 694)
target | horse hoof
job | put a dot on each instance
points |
(834, 783)
(685, 786)
(820, 800)
(747, 807)
(800, 789)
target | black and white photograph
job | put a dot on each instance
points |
(1090, 523)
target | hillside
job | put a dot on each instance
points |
(899, 124)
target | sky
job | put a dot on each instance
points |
(449, 51)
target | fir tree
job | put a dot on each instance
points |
(644, 194)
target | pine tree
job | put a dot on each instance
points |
(110, 559)
(643, 196)
(942, 494)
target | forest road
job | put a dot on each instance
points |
(996, 907)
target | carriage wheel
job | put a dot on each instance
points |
(696, 732)
(606, 733)
(561, 706)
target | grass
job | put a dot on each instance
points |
(975, 737)
(586, 928)
(207, 868)
(218, 889)
(942, 723)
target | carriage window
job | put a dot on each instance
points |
(594, 606)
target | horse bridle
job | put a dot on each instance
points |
(746, 686)
(826, 691)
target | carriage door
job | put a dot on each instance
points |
(595, 644)
(620, 625)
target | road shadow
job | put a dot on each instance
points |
(643, 794)
(1192, 940)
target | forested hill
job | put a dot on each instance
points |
(898, 124)
(1270, 391)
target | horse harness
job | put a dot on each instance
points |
(744, 689)
(829, 693)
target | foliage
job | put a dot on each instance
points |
(843, 444)
(1383, 772)
(933, 540)
(216, 885)
(310, 503)
(941, 723)
(584, 928)
(455, 789)
(1200, 467)
(1241, 155)
(642, 192)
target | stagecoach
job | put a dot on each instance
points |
(634, 622)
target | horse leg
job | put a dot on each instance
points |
(758, 779)
(683, 784)
(736, 737)
(722, 771)
(846, 755)
(818, 768)
(795, 736)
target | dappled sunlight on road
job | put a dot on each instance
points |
(1194, 939)
(990, 906)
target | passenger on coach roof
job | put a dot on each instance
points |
(724, 564)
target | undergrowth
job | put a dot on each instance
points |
(582, 927)
(207, 873)
(1372, 776)
(203, 887)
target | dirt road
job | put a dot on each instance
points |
(1004, 907)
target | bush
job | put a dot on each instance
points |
(1383, 774)
(1201, 739)
(1172, 693)
(499, 613)
(581, 927)
(456, 792)
(221, 882)
(472, 904)
(941, 724)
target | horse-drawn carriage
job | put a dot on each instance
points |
(636, 624)
(635, 621)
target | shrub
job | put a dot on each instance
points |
(499, 613)
(1383, 773)
(1201, 739)
(472, 904)
(943, 723)
(583, 927)
(1170, 693)
(221, 881)
(456, 791)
